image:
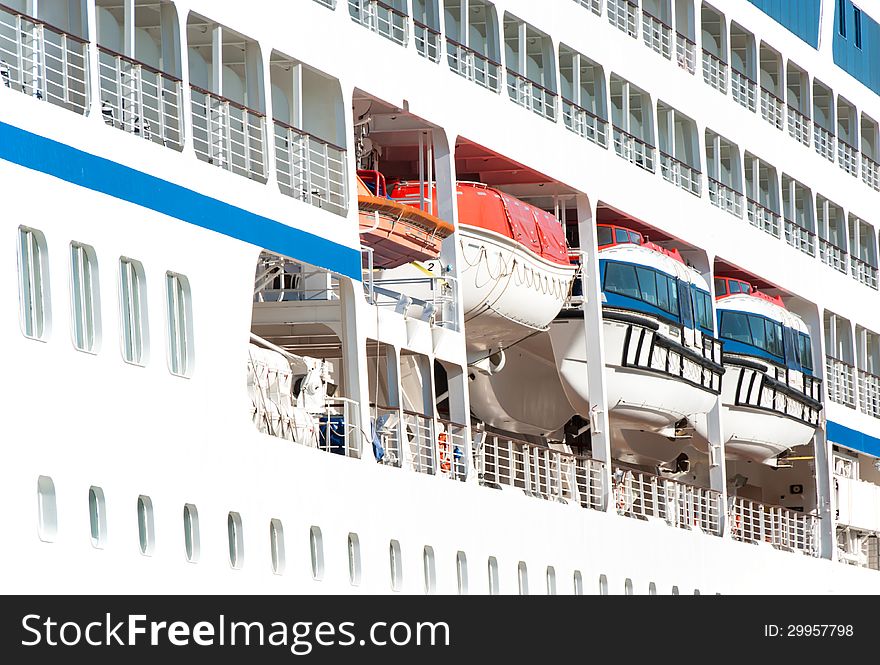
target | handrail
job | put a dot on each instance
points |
(390, 8)
(133, 61)
(424, 26)
(685, 164)
(485, 57)
(840, 361)
(744, 75)
(522, 77)
(232, 103)
(685, 38)
(714, 57)
(762, 206)
(656, 19)
(584, 110)
(798, 112)
(302, 132)
(831, 244)
(800, 226)
(725, 186)
(634, 138)
(414, 413)
(773, 95)
(39, 21)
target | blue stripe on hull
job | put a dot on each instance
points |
(853, 439)
(122, 182)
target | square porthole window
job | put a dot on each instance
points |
(146, 528)
(494, 585)
(276, 546)
(430, 566)
(396, 563)
(461, 573)
(97, 517)
(316, 551)
(33, 283)
(47, 510)
(191, 541)
(235, 536)
(354, 559)
(133, 311)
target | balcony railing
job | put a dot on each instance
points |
(832, 255)
(539, 471)
(646, 496)
(327, 3)
(339, 429)
(310, 169)
(743, 90)
(593, 5)
(863, 271)
(840, 381)
(869, 393)
(43, 61)
(798, 126)
(381, 18)
(584, 123)
(715, 71)
(386, 420)
(229, 135)
(141, 100)
(633, 149)
(657, 34)
(800, 237)
(685, 53)
(427, 41)
(848, 157)
(438, 306)
(531, 95)
(870, 172)
(725, 197)
(452, 449)
(681, 174)
(762, 217)
(823, 141)
(772, 109)
(418, 431)
(622, 14)
(472, 65)
(754, 522)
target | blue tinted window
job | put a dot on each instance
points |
(620, 235)
(621, 278)
(720, 287)
(806, 351)
(735, 326)
(648, 285)
(604, 236)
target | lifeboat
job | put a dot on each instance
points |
(663, 364)
(771, 399)
(397, 233)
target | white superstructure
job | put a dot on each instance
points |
(211, 389)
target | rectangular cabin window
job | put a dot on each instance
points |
(841, 18)
(179, 323)
(857, 27)
(84, 297)
(33, 283)
(133, 310)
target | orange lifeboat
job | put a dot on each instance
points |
(398, 233)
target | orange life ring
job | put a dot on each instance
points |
(443, 445)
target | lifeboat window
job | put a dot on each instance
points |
(620, 278)
(735, 326)
(621, 236)
(635, 238)
(773, 331)
(759, 337)
(47, 509)
(648, 285)
(605, 236)
(703, 309)
(734, 287)
(806, 351)
(645, 284)
(753, 330)
(687, 310)
(720, 287)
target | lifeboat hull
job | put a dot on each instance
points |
(644, 406)
(392, 244)
(508, 292)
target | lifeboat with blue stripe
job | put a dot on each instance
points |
(662, 361)
(772, 401)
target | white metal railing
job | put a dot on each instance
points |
(279, 279)
(680, 174)
(798, 126)
(452, 449)
(381, 18)
(229, 135)
(715, 71)
(754, 522)
(725, 197)
(863, 271)
(800, 238)
(430, 299)
(427, 41)
(762, 217)
(743, 90)
(327, 3)
(418, 430)
(840, 380)
(531, 95)
(310, 169)
(386, 422)
(539, 471)
(685, 53)
(339, 429)
(772, 109)
(823, 141)
(584, 123)
(472, 65)
(140, 99)
(870, 172)
(593, 5)
(832, 255)
(657, 34)
(623, 15)
(43, 61)
(645, 496)
(869, 393)
(848, 157)
(633, 149)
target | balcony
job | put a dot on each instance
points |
(715, 72)
(724, 197)
(798, 126)
(310, 169)
(870, 172)
(381, 18)
(622, 14)
(657, 35)
(685, 53)
(427, 41)
(633, 149)
(848, 157)
(531, 95)
(473, 66)
(840, 381)
(594, 6)
(140, 100)
(755, 522)
(824, 142)
(762, 217)
(584, 123)
(863, 272)
(229, 135)
(681, 174)
(743, 90)
(869, 393)
(772, 109)
(832, 255)
(800, 237)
